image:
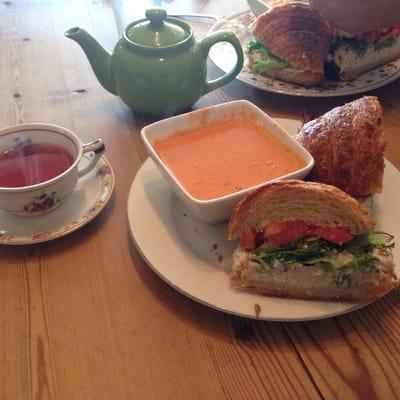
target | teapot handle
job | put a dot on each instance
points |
(210, 40)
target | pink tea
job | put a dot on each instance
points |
(31, 163)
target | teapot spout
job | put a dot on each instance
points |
(99, 58)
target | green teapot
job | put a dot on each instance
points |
(157, 67)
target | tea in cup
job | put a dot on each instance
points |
(40, 166)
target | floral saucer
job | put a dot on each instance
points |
(86, 201)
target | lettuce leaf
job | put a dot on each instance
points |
(358, 253)
(264, 59)
(389, 42)
(360, 47)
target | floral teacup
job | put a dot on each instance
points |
(40, 166)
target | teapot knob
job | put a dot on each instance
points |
(156, 15)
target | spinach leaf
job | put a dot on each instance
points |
(315, 251)
(356, 45)
(389, 42)
(304, 251)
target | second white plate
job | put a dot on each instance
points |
(224, 56)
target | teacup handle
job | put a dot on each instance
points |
(222, 36)
(98, 148)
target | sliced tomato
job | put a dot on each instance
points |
(280, 233)
(394, 31)
(284, 232)
(251, 240)
(334, 234)
(248, 240)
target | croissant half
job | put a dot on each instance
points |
(348, 146)
(293, 200)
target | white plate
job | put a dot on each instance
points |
(224, 56)
(86, 201)
(195, 258)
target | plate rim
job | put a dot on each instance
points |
(73, 226)
(303, 93)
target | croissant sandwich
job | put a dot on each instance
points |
(311, 241)
(292, 43)
(365, 36)
(348, 146)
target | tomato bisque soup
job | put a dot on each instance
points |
(225, 156)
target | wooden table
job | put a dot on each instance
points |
(83, 317)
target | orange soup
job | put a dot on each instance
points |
(225, 156)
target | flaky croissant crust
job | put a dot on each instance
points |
(298, 200)
(348, 146)
(295, 33)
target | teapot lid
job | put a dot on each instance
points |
(157, 30)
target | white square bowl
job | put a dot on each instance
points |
(219, 209)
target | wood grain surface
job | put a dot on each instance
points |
(83, 317)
